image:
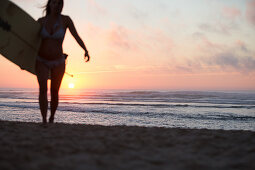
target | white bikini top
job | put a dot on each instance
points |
(59, 34)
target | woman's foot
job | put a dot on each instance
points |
(44, 121)
(51, 119)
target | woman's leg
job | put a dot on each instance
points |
(57, 74)
(42, 73)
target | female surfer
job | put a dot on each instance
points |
(50, 57)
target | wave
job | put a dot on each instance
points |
(144, 104)
(144, 113)
(164, 105)
(169, 97)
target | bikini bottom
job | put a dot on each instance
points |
(52, 63)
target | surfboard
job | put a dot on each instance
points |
(19, 36)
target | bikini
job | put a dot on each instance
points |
(59, 34)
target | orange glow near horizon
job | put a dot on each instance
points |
(17, 78)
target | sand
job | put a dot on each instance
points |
(64, 146)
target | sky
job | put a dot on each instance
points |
(153, 44)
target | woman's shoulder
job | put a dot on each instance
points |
(66, 18)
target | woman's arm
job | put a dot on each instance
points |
(73, 31)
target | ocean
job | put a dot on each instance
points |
(150, 108)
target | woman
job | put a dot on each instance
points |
(50, 56)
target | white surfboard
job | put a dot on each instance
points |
(19, 36)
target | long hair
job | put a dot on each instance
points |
(47, 9)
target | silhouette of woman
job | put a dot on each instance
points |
(50, 57)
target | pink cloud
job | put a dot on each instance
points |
(123, 38)
(120, 36)
(210, 47)
(97, 7)
(231, 12)
(242, 45)
(120, 43)
(231, 57)
(250, 12)
(155, 51)
(216, 28)
(219, 27)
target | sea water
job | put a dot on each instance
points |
(157, 108)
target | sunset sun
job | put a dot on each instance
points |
(71, 85)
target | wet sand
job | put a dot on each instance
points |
(65, 146)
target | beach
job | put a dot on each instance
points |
(26, 145)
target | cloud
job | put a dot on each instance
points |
(117, 41)
(236, 56)
(205, 45)
(225, 24)
(114, 37)
(214, 56)
(232, 61)
(212, 28)
(220, 27)
(198, 35)
(242, 45)
(120, 36)
(96, 7)
(209, 47)
(250, 12)
(153, 46)
(127, 38)
(224, 60)
(138, 14)
(248, 63)
(231, 12)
